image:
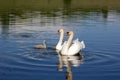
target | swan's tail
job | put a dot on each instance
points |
(83, 44)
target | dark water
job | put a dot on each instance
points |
(100, 29)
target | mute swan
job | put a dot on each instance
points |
(59, 45)
(41, 46)
(74, 48)
(60, 42)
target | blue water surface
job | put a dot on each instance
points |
(98, 61)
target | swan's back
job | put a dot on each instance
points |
(76, 47)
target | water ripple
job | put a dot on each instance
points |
(102, 58)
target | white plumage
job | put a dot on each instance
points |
(60, 42)
(72, 47)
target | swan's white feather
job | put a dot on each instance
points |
(75, 47)
(60, 42)
(59, 46)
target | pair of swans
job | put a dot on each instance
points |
(69, 47)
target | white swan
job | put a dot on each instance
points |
(60, 42)
(70, 48)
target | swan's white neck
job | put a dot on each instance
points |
(67, 45)
(61, 38)
(69, 40)
(44, 44)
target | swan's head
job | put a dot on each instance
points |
(60, 31)
(69, 33)
(44, 41)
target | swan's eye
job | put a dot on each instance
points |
(58, 31)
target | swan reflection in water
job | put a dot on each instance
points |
(69, 61)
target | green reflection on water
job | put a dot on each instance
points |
(49, 7)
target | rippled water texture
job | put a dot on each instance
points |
(21, 30)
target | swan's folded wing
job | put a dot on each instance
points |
(75, 47)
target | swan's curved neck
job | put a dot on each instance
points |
(61, 37)
(44, 44)
(70, 40)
